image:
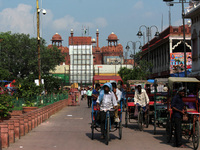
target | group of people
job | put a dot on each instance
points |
(108, 97)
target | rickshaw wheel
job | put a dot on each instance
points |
(140, 120)
(126, 119)
(147, 119)
(107, 131)
(195, 136)
(168, 130)
(120, 130)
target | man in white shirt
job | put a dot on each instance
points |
(106, 101)
(84, 93)
(141, 98)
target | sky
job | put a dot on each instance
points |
(123, 17)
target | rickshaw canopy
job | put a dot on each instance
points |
(161, 80)
(138, 82)
(181, 79)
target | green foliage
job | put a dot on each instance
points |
(140, 72)
(19, 55)
(6, 105)
(52, 84)
(28, 90)
(4, 74)
(51, 57)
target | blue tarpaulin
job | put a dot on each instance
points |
(151, 80)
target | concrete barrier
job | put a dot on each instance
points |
(20, 124)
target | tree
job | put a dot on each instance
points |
(140, 72)
(52, 84)
(19, 55)
(4, 74)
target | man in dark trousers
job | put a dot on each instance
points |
(178, 106)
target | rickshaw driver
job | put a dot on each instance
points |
(141, 98)
(106, 101)
(177, 106)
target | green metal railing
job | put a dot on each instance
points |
(39, 101)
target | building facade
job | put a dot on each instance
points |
(166, 52)
(81, 59)
(84, 56)
(193, 13)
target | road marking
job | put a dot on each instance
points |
(75, 118)
(69, 115)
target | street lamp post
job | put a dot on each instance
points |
(134, 48)
(148, 34)
(132, 56)
(38, 38)
(38, 41)
(183, 19)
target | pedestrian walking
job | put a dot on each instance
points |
(82, 94)
(89, 97)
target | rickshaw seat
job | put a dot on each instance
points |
(95, 108)
(192, 111)
(152, 102)
(189, 99)
(130, 104)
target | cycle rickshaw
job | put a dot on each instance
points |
(160, 103)
(142, 117)
(190, 124)
(110, 125)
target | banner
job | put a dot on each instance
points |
(177, 62)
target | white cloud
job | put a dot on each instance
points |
(17, 19)
(65, 22)
(69, 22)
(139, 5)
(22, 20)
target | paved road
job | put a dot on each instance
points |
(69, 129)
